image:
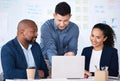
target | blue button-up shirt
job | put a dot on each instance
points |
(57, 42)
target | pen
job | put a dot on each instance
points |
(96, 67)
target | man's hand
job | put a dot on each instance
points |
(41, 73)
(69, 54)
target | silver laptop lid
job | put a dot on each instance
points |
(68, 66)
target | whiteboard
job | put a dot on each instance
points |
(85, 13)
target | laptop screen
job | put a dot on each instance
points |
(68, 66)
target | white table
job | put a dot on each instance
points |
(91, 79)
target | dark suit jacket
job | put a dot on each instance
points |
(14, 63)
(109, 58)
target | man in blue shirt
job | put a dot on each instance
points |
(59, 36)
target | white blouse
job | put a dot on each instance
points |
(95, 60)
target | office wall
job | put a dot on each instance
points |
(85, 13)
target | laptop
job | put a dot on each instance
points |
(70, 67)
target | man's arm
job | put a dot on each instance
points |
(42, 66)
(8, 64)
(48, 41)
(73, 42)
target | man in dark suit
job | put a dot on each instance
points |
(23, 52)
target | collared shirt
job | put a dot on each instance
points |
(28, 55)
(58, 42)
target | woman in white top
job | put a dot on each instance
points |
(102, 52)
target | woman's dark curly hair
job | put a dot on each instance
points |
(108, 32)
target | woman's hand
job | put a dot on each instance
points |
(87, 74)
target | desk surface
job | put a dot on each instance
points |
(91, 79)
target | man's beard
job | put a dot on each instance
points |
(32, 41)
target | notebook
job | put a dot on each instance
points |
(71, 67)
